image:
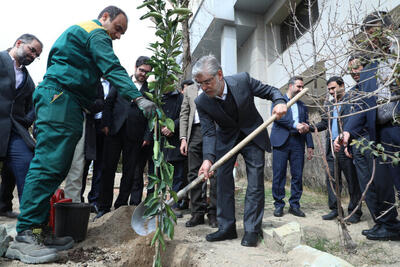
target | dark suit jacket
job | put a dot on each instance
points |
(90, 129)
(172, 103)
(118, 110)
(282, 128)
(16, 109)
(345, 109)
(221, 132)
(356, 124)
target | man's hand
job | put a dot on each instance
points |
(302, 128)
(105, 130)
(165, 131)
(280, 110)
(148, 108)
(347, 153)
(310, 153)
(145, 143)
(342, 139)
(184, 147)
(205, 168)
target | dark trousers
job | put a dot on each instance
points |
(97, 165)
(15, 168)
(254, 199)
(292, 151)
(364, 164)
(198, 194)
(145, 157)
(347, 167)
(382, 192)
(178, 181)
(130, 147)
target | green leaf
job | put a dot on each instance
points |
(153, 14)
(174, 195)
(149, 95)
(170, 124)
(156, 149)
(168, 145)
(395, 162)
(396, 154)
(384, 157)
(363, 149)
(180, 11)
(170, 212)
(146, 3)
(155, 237)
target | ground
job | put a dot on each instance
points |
(111, 241)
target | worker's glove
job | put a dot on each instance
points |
(148, 108)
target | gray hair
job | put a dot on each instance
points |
(27, 38)
(206, 64)
(293, 79)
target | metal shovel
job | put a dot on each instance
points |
(144, 226)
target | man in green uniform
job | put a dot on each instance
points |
(77, 60)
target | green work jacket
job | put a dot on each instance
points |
(80, 57)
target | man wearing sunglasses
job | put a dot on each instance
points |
(16, 116)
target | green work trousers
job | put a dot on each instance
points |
(59, 121)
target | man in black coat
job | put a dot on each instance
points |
(227, 115)
(16, 116)
(333, 120)
(124, 127)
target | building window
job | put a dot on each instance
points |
(297, 23)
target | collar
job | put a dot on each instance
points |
(224, 93)
(15, 63)
(97, 22)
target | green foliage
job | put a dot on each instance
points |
(376, 150)
(166, 71)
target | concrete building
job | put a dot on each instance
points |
(259, 37)
(256, 36)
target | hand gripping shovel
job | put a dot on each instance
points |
(144, 226)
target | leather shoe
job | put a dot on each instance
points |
(330, 216)
(100, 214)
(250, 239)
(296, 212)
(222, 234)
(369, 231)
(384, 234)
(354, 219)
(9, 214)
(195, 220)
(178, 213)
(278, 212)
(212, 220)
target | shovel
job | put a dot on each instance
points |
(146, 225)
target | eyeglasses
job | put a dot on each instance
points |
(205, 82)
(33, 50)
(144, 71)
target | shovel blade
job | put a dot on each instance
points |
(142, 226)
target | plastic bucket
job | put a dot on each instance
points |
(72, 220)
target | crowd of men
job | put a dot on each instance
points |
(88, 110)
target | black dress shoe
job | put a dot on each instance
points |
(100, 214)
(330, 216)
(212, 220)
(250, 239)
(221, 235)
(369, 231)
(278, 212)
(195, 220)
(354, 219)
(296, 212)
(9, 214)
(384, 234)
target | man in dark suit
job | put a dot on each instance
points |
(124, 127)
(16, 116)
(192, 146)
(227, 115)
(333, 119)
(288, 136)
(380, 117)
